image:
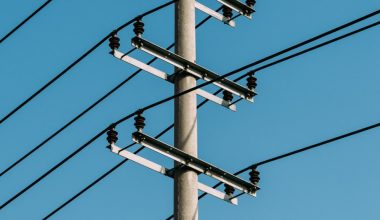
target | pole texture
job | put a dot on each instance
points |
(185, 116)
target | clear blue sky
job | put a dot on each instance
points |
(322, 94)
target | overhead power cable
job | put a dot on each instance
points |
(166, 100)
(24, 21)
(155, 104)
(114, 168)
(365, 17)
(100, 178)
(301, 150)
(80, 59)
(136, 152)
(295, 152)
(64, 160)
(88, 109)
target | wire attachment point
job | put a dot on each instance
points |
(227, 12)
(139, 27)
(252, 81)
(227, 96)
(250, 3)
(139, 121)
(254, 177)
(229, 190)
(112, 135)
(114, 41)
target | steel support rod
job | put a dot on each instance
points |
(185, 116)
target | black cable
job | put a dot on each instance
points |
(125, 160)
(305, 42)
(292, 56)
(300, 151)
(309, 147)
(80, 59)
(100, 178)
(58, 165)
(109, 172)
(307, 50)
(166, 100)
(134, 74)
(80, 148)
(24, 21)
(91, 106)
(53, 168)
(372, 14)
(75, 119)
(65, 126)
(155, 104)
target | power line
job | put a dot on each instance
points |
(166, 100)
(130, 145)
(156, 104)
(240, 69)
(100, 178)
(310, 147)
(110, 171)
(62, 162)
(89, 108)
(297, 54)
(361, 130)
(80, 59)
(372, 14)
(24, 21)
(57, 166)
(65, 126)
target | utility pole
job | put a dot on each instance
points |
(185, 117)
(187, 165)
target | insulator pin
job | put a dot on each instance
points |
(250, 3)
(112, 136)
(254, 177)
(227, 12)
(227, 96)
(251, 82)
(139, 27)
(114, 42)
(139, 122)
(229, 190)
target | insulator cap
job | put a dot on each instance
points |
(139, 27)
(250, 3)
(227, 12)
(112, 135)
(251, 82)
(114, 42)
(229, 190)
(139, 122)
(227, 96)
(254, 176)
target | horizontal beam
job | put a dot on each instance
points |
(194, 163)
(160, 74)
(239, 7)
(214, 14)
(161, 169)
(192, 68)
(217, 193)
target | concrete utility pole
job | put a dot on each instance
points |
(185, 117)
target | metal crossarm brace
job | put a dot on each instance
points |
(214, 14)
(194, 163)
(163, 170)
(160, 74)
(238, 6)
(192, 68)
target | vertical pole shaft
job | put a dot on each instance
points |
(185, 116)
